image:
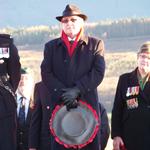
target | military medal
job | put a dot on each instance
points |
(131, 91)
(132, 103)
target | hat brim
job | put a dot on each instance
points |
(84, 17)
(75, 128)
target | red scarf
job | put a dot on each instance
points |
(66, 41)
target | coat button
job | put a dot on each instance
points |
(55, 90)
(65, 60)
(1, 61)
(48, 107)
(88, 90)
(21, 133)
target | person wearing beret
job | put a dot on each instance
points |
(25, 107)
(9, 79)
(131, 110)
(72, 68)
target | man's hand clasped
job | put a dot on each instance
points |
(70, 97)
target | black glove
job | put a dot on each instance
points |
(71, 105)
(70, 96)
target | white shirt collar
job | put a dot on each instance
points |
(27, 104)
(69, 39)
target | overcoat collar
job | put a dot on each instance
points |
(83, 39)
(133, 77)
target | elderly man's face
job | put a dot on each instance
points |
(25, 85)
(72, 25)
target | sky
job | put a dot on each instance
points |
(19, 13)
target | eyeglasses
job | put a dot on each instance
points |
(143, 56)
(67, 20)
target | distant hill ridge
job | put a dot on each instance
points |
(25, 13)
(131, 31)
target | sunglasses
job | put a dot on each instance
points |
(67, 20)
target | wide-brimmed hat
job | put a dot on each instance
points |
(75, 128)
(71, 10)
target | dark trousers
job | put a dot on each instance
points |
(8, 132)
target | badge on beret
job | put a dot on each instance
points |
(75, 128)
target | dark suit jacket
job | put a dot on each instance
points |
(23, 132)
(104, 126)
(39, 136)
(132, 123)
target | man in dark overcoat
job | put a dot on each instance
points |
(9, 79)
(131, 110)
(72, 68)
